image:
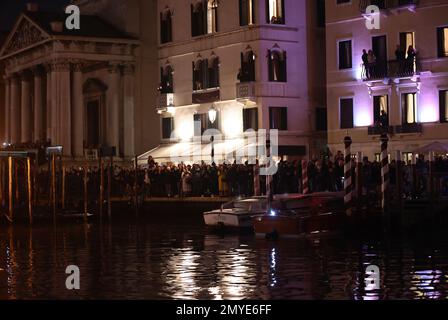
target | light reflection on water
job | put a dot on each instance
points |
(167, 261)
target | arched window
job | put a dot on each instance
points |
(206, 73)
(213, 72)
(200, 70)
(275, 11)
(198, 18)
(212, 16)
(277, 65)
(166, 79)
(247, 71)
(204, 17)
(166, 28)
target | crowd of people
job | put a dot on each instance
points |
(228, 180)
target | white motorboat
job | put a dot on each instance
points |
(237, 213)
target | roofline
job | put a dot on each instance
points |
(14, 29)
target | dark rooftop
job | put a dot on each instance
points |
(91, 26)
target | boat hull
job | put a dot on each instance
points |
(297, 225)
(231, 220)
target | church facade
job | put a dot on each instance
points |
(80, 89)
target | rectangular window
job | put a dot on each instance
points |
(381, 111)
(443, 95)
(345, 54)
(202, 123)
(277, 66)
(247, 12)
(342, 1)
(275, 11)
(346, 112)
(409, 108)
(442, 41)
(167, 127)
(407, 39)
(198, 18)
(165, 27)
(321, 119)
(250, 119)
(278, 118)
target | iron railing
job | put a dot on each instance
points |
(390, 69)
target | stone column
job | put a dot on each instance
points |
(113, 107)
(61, 98)
(78, 112)
(7, 135)
(25, 108)
(129, 110)
(48, 104)
(38, 106)
(15, 110)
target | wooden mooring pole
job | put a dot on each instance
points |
(10, 190)
(30, 190)
(85, 192)
(101, 200)
(53, 185)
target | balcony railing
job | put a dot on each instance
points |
(378, 130)
(388, 4)
(245, 90)
(391, 69)
(164, 101)
(409, 128)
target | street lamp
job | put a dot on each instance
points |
(212, 114)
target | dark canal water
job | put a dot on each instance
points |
(175, 257)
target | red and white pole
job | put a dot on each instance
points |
(348, 176)
(305, 185)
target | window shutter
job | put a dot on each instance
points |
(193, 26)
(283, 11)
(205, 80)
(440, 42)
(161, 28)
(284, 68)
(241, 4)
(194, 77)
(442, 106)
(253, 12)
(169, 28)
(204, 16)
(268, 18)
(270, 66)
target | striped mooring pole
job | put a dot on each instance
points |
(305, 185)
(384, 170)
(348, 175)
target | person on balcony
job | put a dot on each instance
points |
(384, 119)
(411, 59)
(371, 61)
(365, 63)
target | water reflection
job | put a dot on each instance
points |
(157, 261)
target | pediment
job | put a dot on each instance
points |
(25, 34)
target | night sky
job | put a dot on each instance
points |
(10, 9)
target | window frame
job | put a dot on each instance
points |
(338, 61)
(352, 114)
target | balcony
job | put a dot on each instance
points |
(378, 130)
(409, 128)
(390, 70)
(164, 101)
(209, 95)
(391, 5)
(245, 91)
